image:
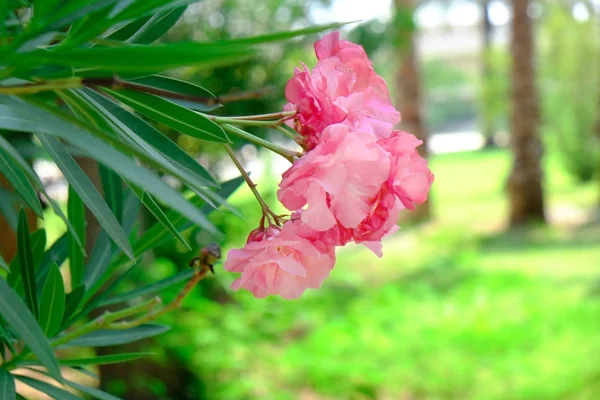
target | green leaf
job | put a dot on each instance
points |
(183, 93)
(143, 59)
(20, 115)
(56, 254)
(280, 36)
(173, 115)
(160, 215)
(86, 191)
(72, 302)
(148, 29)
(51, 390)
(72, 11)
(76, 213)
(155, 235)
(7, 386)
(103, 338)
(24, 324)
(98, 360)
(99, 260)
(150, 289)
(11, 171)
(36, 181)
(26, 263)
(38, 245)
(151, 135)
(113, 190)
(95, 393)
(52, 307)
(3, 264)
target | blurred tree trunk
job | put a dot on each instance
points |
(487, 124)
(525, 181)
(408, 86)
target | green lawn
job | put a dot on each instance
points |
(456, 309)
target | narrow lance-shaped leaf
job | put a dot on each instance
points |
(39, 118)
(52, 307)
(86, 191)
(72, 302)
(151, 135)
(158, 213)
(38, 246)
(8, 390)
(14, 154)
(112, 186)
(13, 173)
(76, 213)
(95, 393)
(183, 93)
(173, 115)
(51, 390)
(103, 338)
(26, 263)
(22, 322)
(56, 254)
(98, 360)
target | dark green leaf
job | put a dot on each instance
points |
(51, 390)
(183, 93)
(11, 171)
(99, 360)
(103, 338)
(56, 254)
(19, 115)
(99, 260)
(72, 302)
(159, 214)
(113, 190)
(155, 26)
(7, 386)
(86, 191)
(96, 393)
(52, 307)
(173, 115)
(143, 59)
(38, 245)
(26, 264)
(151, 289)
(153, 137)
(156, 234)
(37, 182)
(76, 213)
(71, 12)
(24, 324)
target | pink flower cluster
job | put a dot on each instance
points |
(355, 177)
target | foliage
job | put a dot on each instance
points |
(571, 70)
(86, 78)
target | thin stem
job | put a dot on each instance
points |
(282, 151)
(31, 88)
(266, 210)
(176, 303)
(286, 132)
(104, 320)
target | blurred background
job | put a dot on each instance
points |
(489, 291)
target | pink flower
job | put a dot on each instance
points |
(410, 178)
(338, 180)
(342, 88)
(281, 262)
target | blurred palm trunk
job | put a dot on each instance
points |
(408, 86)
(525, 181)
(487, 124)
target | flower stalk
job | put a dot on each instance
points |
(282, 151)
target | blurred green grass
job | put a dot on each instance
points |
(456, 309)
